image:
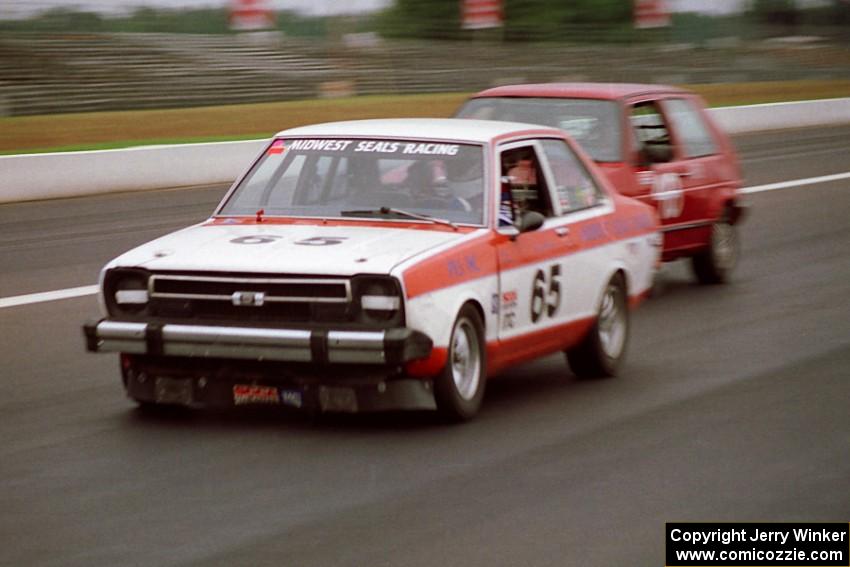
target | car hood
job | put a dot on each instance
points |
(298, 249)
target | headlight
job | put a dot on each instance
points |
(378, 299)
(380, 303)
(126, 291)
(131, 296)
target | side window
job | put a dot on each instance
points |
(524, 185)
(574, 186)
(652, 133)
(691, 128)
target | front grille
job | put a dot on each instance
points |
(262, 300)
(204, 310)
(247, 299)
(230, 289)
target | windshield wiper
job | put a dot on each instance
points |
(397, 212)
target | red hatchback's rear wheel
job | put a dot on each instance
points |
(715, 264)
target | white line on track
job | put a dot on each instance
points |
(92, 289)
(795, 183)
(47, 296)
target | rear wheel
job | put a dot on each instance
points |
(459, 388)
(715, 264)
(600, 353)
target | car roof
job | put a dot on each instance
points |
(459, 129)
(605, 91)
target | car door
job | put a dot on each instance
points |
(676, 167)
(656, 168)
(585, 211)
(699, 161)
(537, 293)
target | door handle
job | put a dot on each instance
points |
(562, 231)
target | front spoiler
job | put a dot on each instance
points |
(318, 346)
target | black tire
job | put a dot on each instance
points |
(459, 388)
(602, 351)
(715, 264)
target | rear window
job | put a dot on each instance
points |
(594, 124)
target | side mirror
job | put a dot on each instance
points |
(529, 220)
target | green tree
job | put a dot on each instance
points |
(61, 19)
(433, 19)
(531, 19)
(551, 19)
(776, 11)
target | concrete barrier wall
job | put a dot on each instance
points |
(778, 116)
(71, 174)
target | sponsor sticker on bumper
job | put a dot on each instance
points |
(247, 394)
(291, 398)
(244, 394)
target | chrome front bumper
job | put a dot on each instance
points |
(385, 347)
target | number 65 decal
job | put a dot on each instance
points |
(543, 299)
(321, 241)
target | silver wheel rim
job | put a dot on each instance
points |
(612, 323)
(723, 246)
(465, 359)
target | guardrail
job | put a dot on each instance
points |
(58, 175)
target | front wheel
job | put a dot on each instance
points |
(600, 353)
(715, 264)
(459, 388)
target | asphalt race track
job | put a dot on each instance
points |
(733, 406)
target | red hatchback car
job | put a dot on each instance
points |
(656, 143)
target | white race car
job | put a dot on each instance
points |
(383, 264)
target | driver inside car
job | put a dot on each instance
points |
(519, 185)
(430, 189)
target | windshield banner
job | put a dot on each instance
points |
(368, 146)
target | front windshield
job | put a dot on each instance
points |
(324, 177)
(593, 123)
